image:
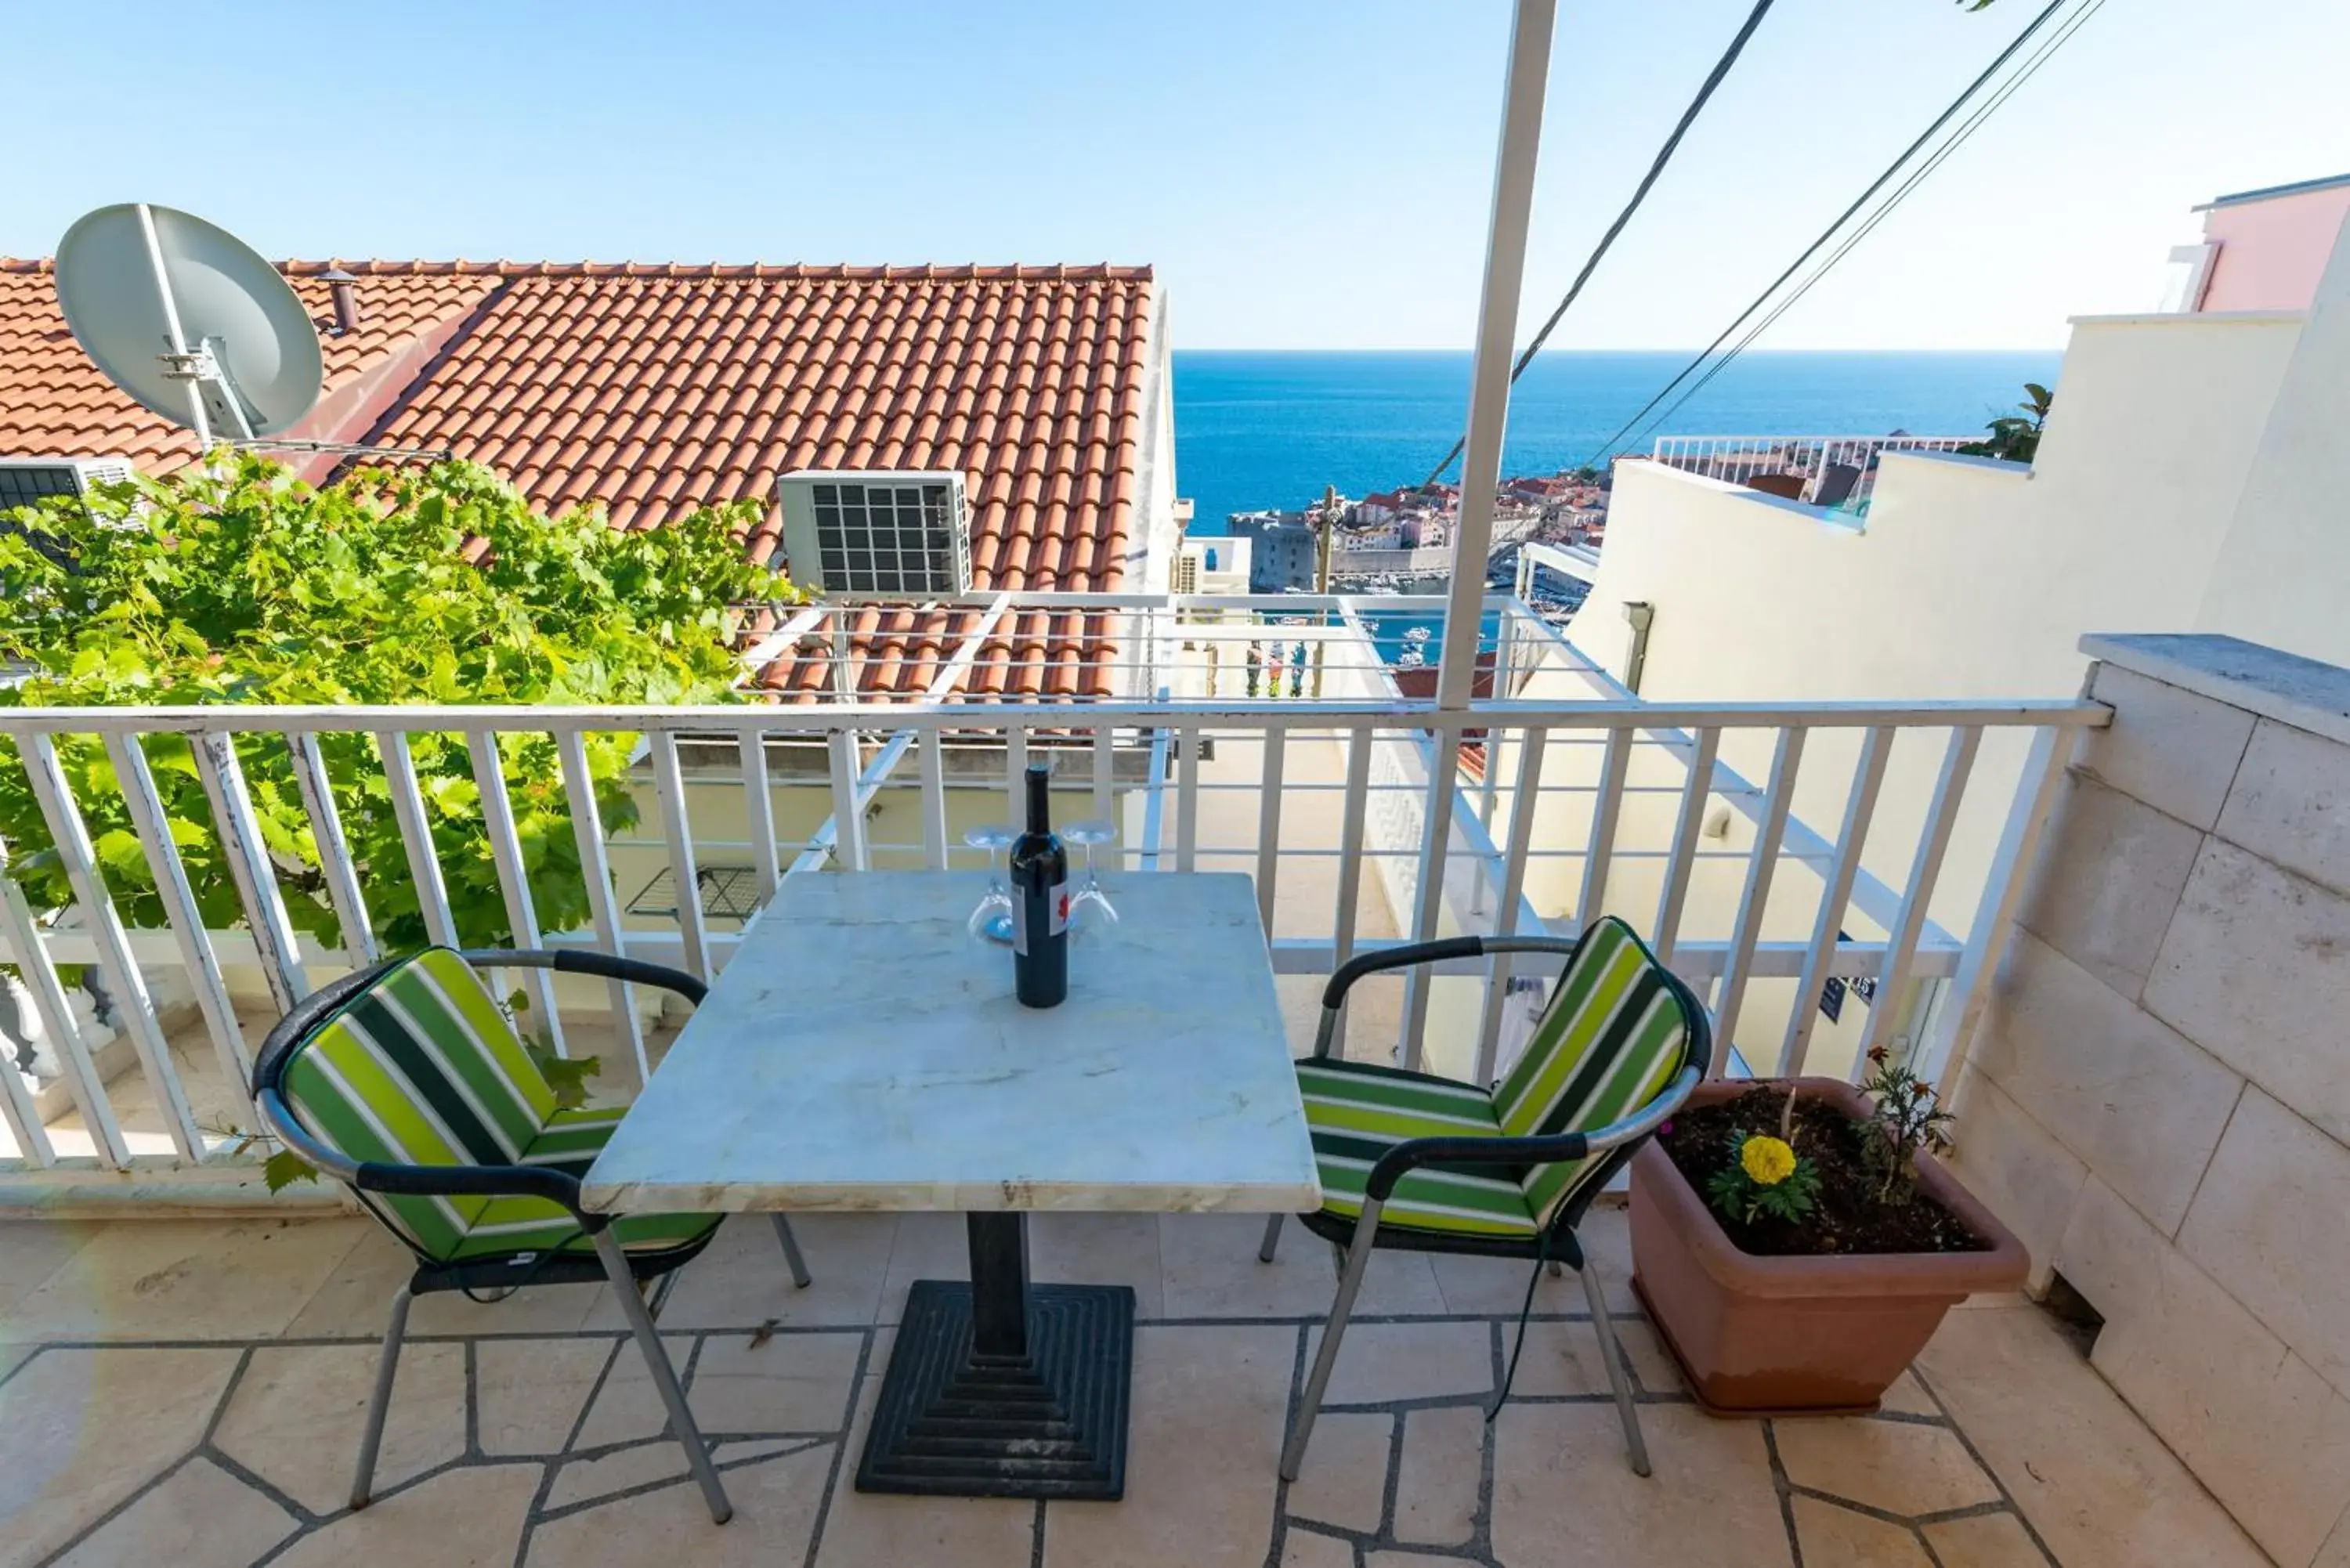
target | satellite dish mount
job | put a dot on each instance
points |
(197, 366)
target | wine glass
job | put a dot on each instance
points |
(1091, 908)
(990, 919)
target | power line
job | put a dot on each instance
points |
(1842, 218)
(1639, 194)
(1956, 140)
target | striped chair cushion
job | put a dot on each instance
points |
(422, 1068)
(1610, 1041)
(1355, 1112)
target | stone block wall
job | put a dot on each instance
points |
(2159, 1099)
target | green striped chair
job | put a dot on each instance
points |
(407, 1082)
(1427, 1163)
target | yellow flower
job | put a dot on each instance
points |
(1766, 1160)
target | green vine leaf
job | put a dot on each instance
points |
(566, 1075)
(236, 582)
(285, 1168)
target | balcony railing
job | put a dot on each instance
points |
(1835, 470)
(1364, 818)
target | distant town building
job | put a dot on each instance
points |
(1281, 549)
(1213, 565)
(1407, 533)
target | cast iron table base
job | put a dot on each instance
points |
(998, 1389)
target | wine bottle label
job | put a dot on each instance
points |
(1057, 922)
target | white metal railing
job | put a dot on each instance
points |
(1575, 805)
(1816, 460)
(998, 647)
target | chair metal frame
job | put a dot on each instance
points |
(1556, 1243)
(626, 1272)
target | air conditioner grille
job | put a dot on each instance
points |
(878, 533)
(24, 481)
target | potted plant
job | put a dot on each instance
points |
(1796, 1243)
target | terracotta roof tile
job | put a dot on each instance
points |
(658, 388)
(54, 401)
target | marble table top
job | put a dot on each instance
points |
(860, 1052)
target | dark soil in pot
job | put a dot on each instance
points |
(1703, 1140)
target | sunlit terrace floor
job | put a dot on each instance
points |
(191, 1394)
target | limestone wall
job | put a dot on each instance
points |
(2159, 1099)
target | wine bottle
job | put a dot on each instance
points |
(1040, 904)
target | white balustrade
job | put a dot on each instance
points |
(1578, 805)
(1737, 459)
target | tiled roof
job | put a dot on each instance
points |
(895, 653)
(658, 389)
(55, 403)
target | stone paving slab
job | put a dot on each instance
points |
(524, 1433)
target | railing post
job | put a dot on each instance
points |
(316, 787)
(1953, 1028)
(251, 869)
(1351, 816)
(1524, 798)
(1104, 769)
(848, 811)
(1443, 754)
(1015, 764)
(1666, 936)
(514, 875)
(934, 801)
(416, 837)
(669, 784)
(49, 999)
(1746, 927)
(137, 781)
(1599, 845)
(1268, 824)
(1835, 892)
(133, 1004)
(1933, 839)
(587, 834)
(1189, 739)
(759, 802)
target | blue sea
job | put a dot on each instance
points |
(1257, 430)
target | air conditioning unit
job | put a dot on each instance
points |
(26, 480)
(877, 531)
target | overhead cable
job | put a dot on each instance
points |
(1907, 153)
(1640, 193)
(1956, 140)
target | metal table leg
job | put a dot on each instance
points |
(1000, 1389)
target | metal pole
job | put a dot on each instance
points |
(196, 420)
(999, 1284)
(1497, 326)
(1322, 569)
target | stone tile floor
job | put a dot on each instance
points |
(190, 1394)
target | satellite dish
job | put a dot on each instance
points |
(188, 320)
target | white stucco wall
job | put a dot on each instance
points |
(2191, 480)
(2279, 578)
(1970, 579)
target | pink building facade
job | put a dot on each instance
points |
(2264, 250)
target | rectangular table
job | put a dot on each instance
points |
(860, 1052)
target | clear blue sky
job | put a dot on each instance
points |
(1303, 175)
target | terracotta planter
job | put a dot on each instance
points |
(1772, 1336)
